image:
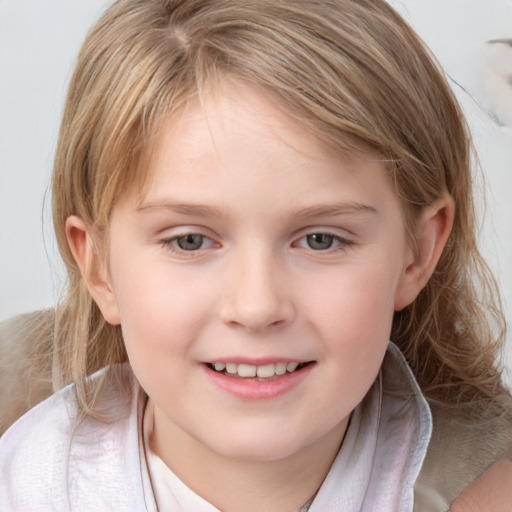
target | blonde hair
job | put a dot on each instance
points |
(355, 74)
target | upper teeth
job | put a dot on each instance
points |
(249, 370)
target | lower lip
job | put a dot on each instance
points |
(249, 389)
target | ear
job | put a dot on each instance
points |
(93, 267)
(432, 230)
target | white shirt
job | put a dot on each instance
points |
(50, 461)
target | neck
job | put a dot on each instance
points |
(231, 485)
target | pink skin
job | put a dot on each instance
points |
(254, 290)
(254, 184)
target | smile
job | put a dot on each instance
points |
(267, 371)
(253, 382)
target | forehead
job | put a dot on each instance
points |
(238, 161)
(241, 126)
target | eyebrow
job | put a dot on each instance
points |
(333, 210)
(201, 210)
(197, 210)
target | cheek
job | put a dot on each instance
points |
(357, 301)
(160, 311)
(353, 320)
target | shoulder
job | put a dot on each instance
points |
(464, 448)
(491, 491)
(25, 364)
(54, 456)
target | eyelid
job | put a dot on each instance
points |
(337, 232)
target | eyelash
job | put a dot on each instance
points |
(339, 242)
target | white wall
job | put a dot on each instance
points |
(38, 44)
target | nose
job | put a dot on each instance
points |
(257, 296)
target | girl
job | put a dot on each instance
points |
(251, 199)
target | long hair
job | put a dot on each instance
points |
(353, 73)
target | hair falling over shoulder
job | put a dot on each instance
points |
(353, 73)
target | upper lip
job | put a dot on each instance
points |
(259, 361)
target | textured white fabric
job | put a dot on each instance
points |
(51, 462)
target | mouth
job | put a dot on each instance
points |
(267, 372)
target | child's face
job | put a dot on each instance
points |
(254, 244)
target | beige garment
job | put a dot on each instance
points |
(25, 376)
(462, 447)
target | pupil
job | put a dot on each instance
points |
(190, 242)
(319, 241)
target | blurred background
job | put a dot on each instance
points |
(38, 44)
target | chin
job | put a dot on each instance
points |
(262, 446)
